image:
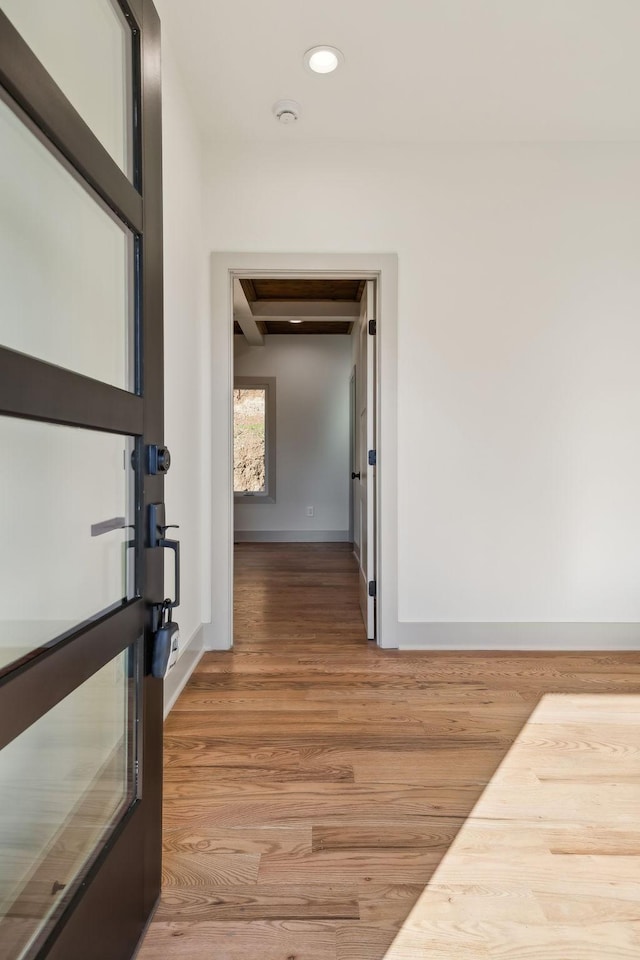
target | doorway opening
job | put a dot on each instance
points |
(227, 268)
(304, 437)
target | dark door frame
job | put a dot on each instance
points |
(106, 914)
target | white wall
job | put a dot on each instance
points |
(186, 307)
(312, 432)
(518, 340)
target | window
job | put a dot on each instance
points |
(254, 468)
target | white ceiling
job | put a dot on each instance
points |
(415, 70)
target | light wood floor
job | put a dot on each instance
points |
(314, 783)
(548, 864)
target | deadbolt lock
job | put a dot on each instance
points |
(158, 459)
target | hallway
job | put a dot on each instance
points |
(313, 783)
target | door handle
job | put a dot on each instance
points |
(355, 476)
(157, 530)
(175, 546)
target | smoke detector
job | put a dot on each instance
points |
(286, 111)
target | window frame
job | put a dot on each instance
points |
(268, 384)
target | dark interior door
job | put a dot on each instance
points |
(81, 415)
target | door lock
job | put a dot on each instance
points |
(158, 459)
(355, 476)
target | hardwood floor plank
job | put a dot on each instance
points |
(314, 805)
(365, 940)
(186, 751)
(375, 739)
(437, 834)
(227, 704)
(239, 940)
(431, 696)
(427, 766)
(208, 837)
(194, 781)
(580, 908)
(209, 868)
(261, 901)
(231, 728)
(353, 866)
(387, 901)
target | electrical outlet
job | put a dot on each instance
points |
(309, 511)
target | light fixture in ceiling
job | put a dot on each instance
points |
(323, 59)
(295, 321)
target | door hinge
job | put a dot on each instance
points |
(373, 328)
(373, 458)
(373, 588)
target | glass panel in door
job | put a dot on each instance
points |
(86, 45)
(66, 513)
(66, 264)
(64, 783)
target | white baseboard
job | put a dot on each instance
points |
(292, 536)
(519, 636)
(179, 675)
(215, 637)
(587, 637)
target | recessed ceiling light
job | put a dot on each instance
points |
(295, 321)
(323, 59)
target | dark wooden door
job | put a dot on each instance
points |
(81, 413)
